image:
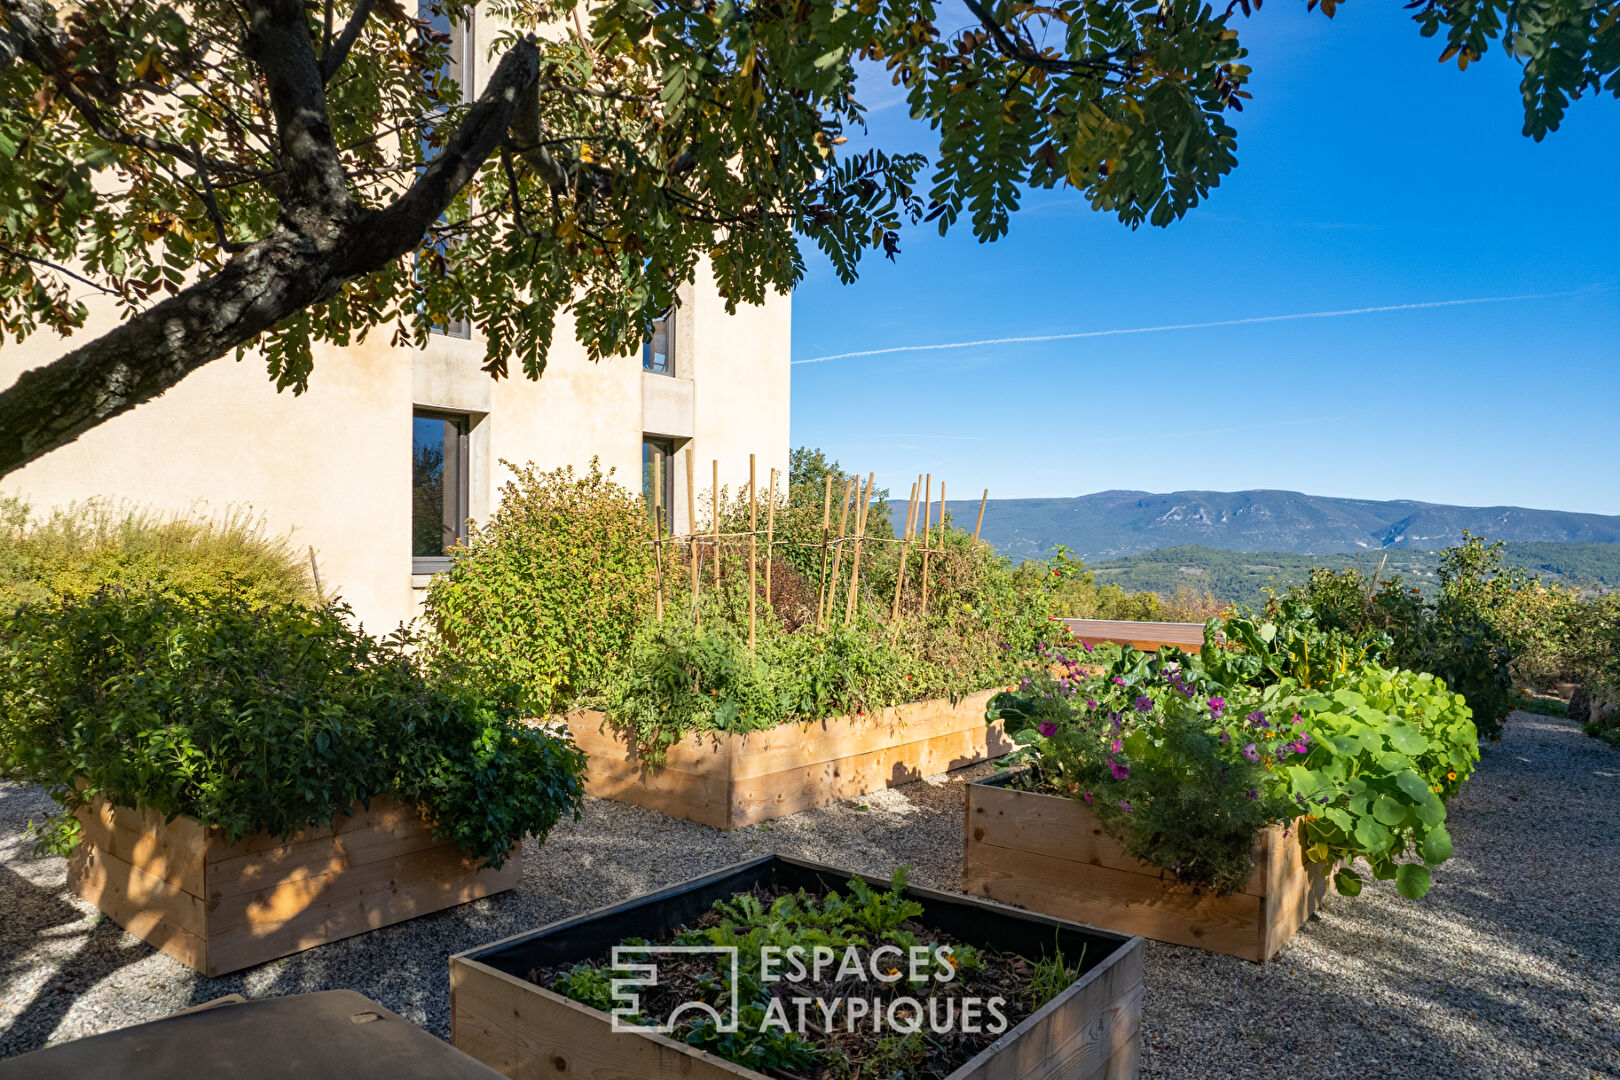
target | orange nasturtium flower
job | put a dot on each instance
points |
(1451, 776)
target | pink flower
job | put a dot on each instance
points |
(1118, 681)
(1047, 728)
(1117, 747)
(1120, 771)
(1088, 798)
(1251, 753)
(1125, 806)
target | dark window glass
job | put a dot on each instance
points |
(658, 479)
(458, 66)
(438, 487)
(658, 352)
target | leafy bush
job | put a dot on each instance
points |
(1184, 768)
(73, 552)
(262, 717)
(546, 598)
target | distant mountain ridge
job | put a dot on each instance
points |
(1108, 524)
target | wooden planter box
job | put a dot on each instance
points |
(729, 781)
(1088, 1032)
(1050, 854)
(218, 907)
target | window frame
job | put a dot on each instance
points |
(666, 445)
(669, 369)
(433, 564)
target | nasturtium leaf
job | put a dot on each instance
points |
(1347, 881)
(1407, 739)
(1340, 818)
(1389, 811)
(1412, 880)
(1371, 835)
(1415, 787)
(1435, 846)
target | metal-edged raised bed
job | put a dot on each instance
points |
(1089, 1031)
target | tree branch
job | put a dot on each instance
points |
(279, 43)
(339, 51)
(1102, 64)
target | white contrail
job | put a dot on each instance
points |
(1189, 326)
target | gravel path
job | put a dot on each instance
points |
(1509, 968)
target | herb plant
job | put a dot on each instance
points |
(267, 717)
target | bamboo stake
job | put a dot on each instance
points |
(770, 536)
(838, 556)
(753, 548)
(658, 530)
(855, 567)
(691, 533)
(900, 575)
(714, 525)
(928, 509)
(982, 500)
(942, 513)
(826, 519)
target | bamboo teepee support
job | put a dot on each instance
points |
(770, 536)
(928, 509)
(855, 563)
(691, 530)
(658, 531)
(753, 547)
(900, 574)
(982, 500)
(838, 557)
(826, 520)
(714, 524)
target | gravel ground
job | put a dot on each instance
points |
(1509, 968)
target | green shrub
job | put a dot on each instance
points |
(262, 717)
(546, 598)
(74, 552)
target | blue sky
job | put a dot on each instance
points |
(1369, 175)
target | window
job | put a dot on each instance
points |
(658, 480)
(438, 488)
(658, 352)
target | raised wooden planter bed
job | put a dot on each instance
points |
(1050, 854)
(1088, 1032)
(1146, 636)
(218, 907)
(729, 781)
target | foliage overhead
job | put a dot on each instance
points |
(279, 174)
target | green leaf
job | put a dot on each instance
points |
(1407, 739)
(1347, 881)
(1372, 836)
(1389, 811)
(1435, 846)
(1416, 788)
(1412, 880)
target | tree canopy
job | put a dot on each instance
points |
(274, 174)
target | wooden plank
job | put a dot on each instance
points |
(1300, 890)
(1036, 821)
(760, 798)
(793, 746)
(249, 929)
(163, 915)
(171, 851)
(703, 752)
(1118, 900)
(528, 1033)
(387, 830)
(1147, 636)
(1077, 1033)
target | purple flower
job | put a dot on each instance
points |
(1125, 806)
(1118, 681)
(1120, 771)
(1251, 753)
(1217, 703)
(1144, 704)
(1086, 645)
(1090, 704)
(1225, 737)
(1047, 728)
(1115, 717)
(1253, 794)
(1298, 720)
(1088, 798)
(1116, 748)
(1255, 717)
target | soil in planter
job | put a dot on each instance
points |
(830, 1035)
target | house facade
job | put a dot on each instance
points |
(379, 465)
